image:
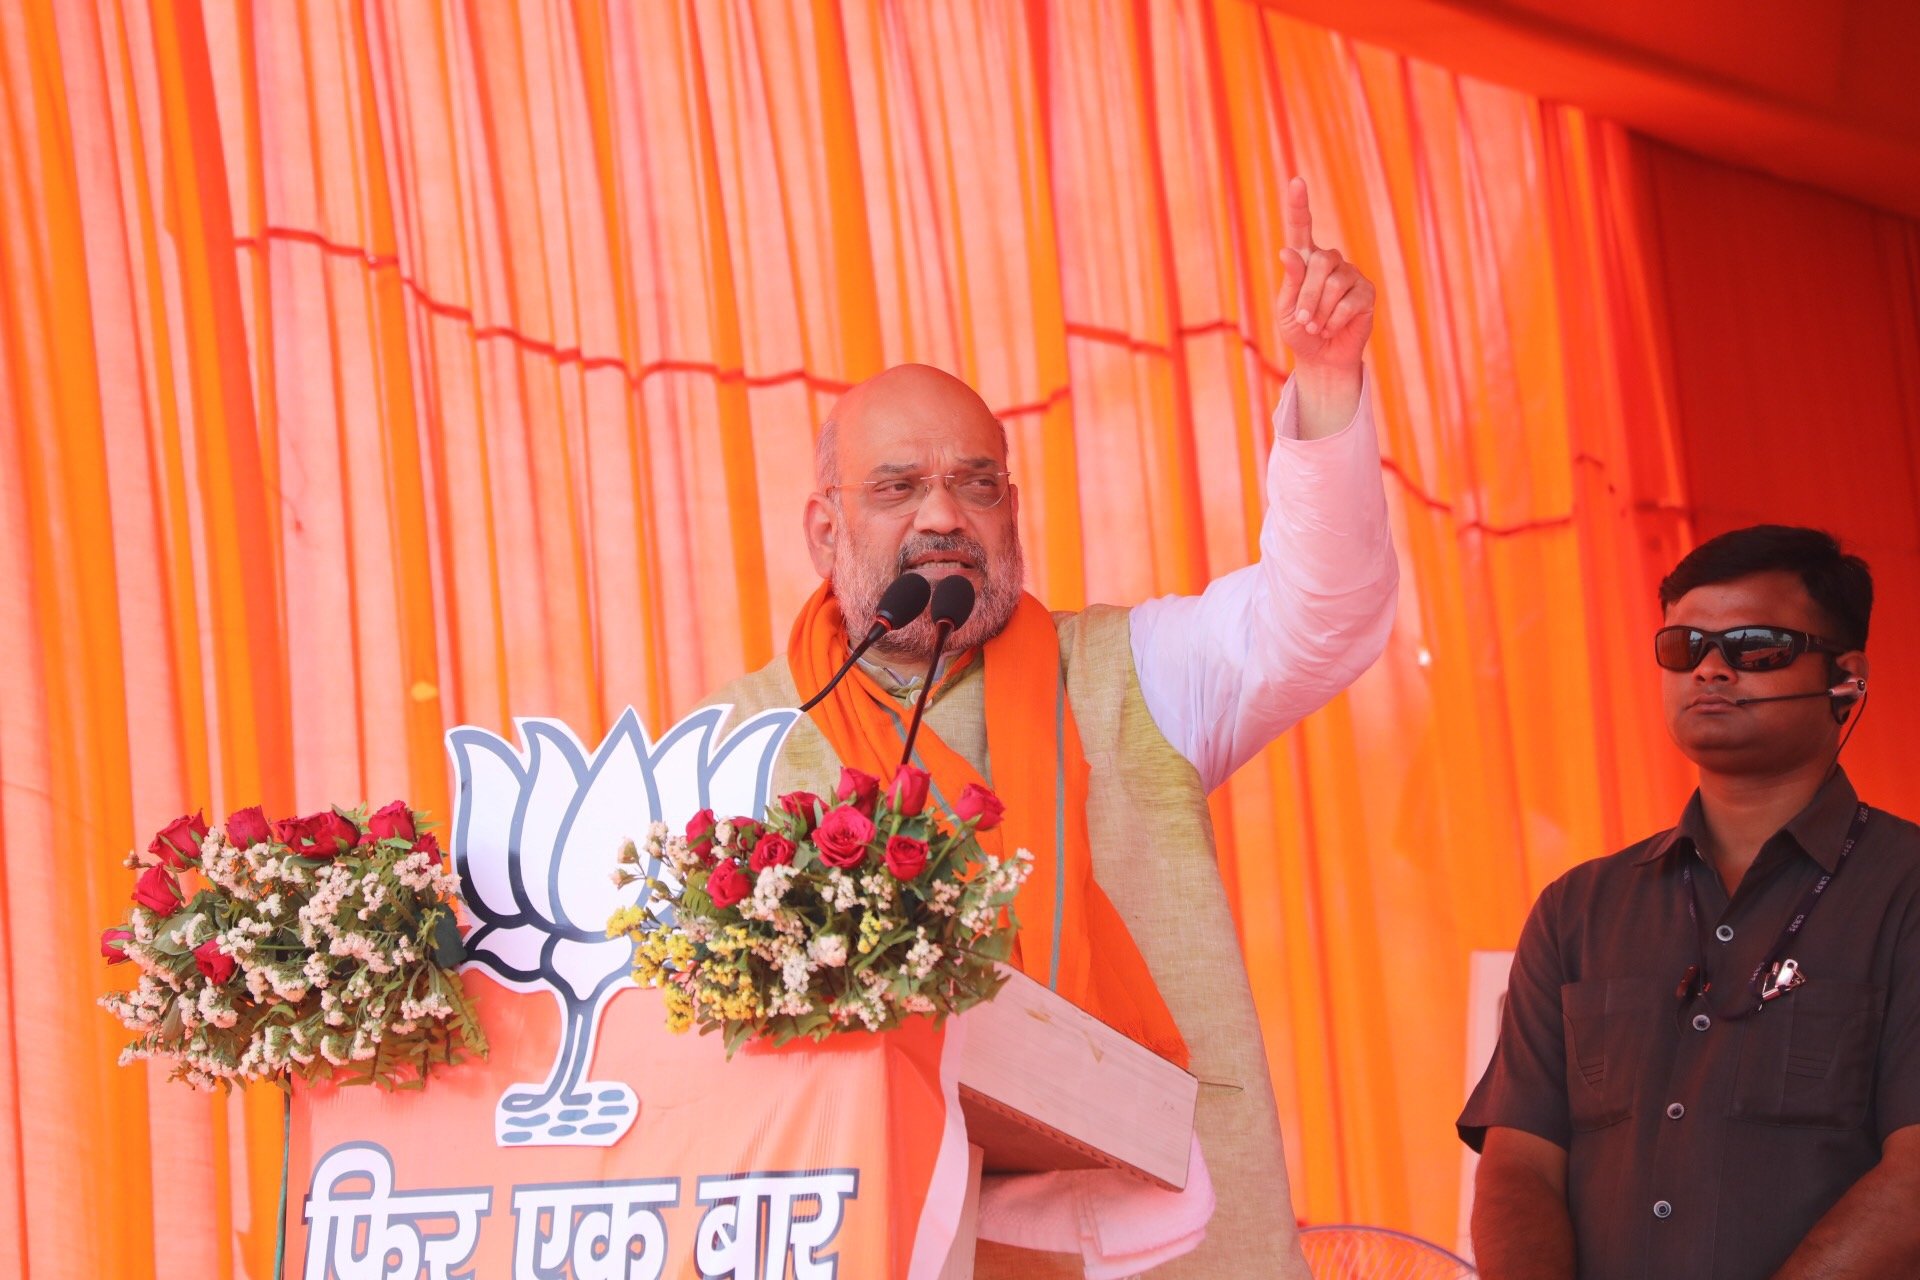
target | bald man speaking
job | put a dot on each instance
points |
(1116, 721)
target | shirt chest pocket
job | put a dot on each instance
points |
(1609, 1026)
(1808, 1059)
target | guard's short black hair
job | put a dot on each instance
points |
(1840, 584)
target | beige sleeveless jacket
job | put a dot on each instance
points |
(1153, 853)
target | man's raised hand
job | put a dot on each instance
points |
(1326, 305)
(1326, 315)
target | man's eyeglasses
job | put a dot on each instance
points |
(980, 490)
(1742, 648)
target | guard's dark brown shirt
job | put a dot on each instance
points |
(1699, 1145)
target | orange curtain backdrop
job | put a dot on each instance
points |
(371, 369)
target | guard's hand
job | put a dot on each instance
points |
(1326, 305)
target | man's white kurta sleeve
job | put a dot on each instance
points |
(1227, 671)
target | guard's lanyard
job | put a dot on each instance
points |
(1776, 974)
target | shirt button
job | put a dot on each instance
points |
(1724, 933)
(1701, 1022)
(1675, 1110)
(1661, 1209)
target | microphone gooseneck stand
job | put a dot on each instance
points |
(904, 600)
(952, 606)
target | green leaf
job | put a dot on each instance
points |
(175, 926)
(449, 949)
(995, 946)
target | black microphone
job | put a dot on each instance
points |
(952, 606)
(904, 600)
(1845, 691)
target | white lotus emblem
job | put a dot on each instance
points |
(535, 836)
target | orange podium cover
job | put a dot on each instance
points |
(810, 1160)
(594, 1144)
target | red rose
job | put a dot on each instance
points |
(805, 806)
(746, 833)
(842, 838)
(157, 891)
(727, 884)
(700, 833)
(178, 844)
(772, 850)
(291, 832)
(247, 828)
(978, 802)
(906, 857)
(210, 960)
(331, 833)
(859, 789)
(113, 944)
(393, 822)
(908, 795)
(427, 844)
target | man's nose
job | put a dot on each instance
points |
(938, 512)
(1712, 666)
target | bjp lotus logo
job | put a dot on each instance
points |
(536, 832)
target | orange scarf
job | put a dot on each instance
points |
(1071, 937)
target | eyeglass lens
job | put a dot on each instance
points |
(1743, 648)
(977, 489)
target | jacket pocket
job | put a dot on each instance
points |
(1808, 1058)
(1608, 1025)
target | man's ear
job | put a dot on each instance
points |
(821, 524)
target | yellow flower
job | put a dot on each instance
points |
(679, 1008)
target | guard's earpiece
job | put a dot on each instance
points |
(1844, 694)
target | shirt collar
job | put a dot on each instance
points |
(1819, 829)
(899, 683)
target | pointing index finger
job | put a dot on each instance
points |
(1299, 217)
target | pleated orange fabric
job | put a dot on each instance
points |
(1071, 938)
(368, 369)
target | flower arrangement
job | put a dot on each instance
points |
(822, 916)
(309, 948)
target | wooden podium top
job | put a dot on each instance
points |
(1046, 1085)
